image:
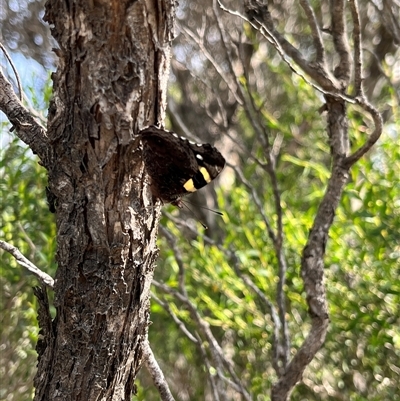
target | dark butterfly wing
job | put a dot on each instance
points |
(210, 163)
(177, 166)
(168, 162)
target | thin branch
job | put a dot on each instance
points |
(178, 257)
(14, 70)
(277, 238)
(43, 277)
(230, 254)
(229, 82)
(316, 32)
(338, 31)
(256, 200)
(228, 57)
(312, 273)
(28, 129)
(357, 48)
(276, 343)
(156, 373)
(378, 63)
(210, 376)
(212, 90)
(249, 282)
(217, 353)
(327, 84)
(280, 348)
(376, 116)
(175, 318)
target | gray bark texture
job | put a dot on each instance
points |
(113, 61)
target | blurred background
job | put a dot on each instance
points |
(229, 86)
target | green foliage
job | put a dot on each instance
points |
(360, 359)
(27, 224)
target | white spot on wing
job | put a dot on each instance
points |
(199, 145)
(183, 138)
(175, 135)
(200, 157)
(192, 143)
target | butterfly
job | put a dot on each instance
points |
(177, 166)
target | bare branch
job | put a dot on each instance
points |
(294, 372)
(178, 257)
(156, 373)
(327, 83)
(217, 353)
(14, 70)
(338, 30)
(376, 116)
(28, 129)
(279, 354)
(229, 82)
(210, 376)
(43, 277)
(280, 343)
(175, 318)
(277, 237)
(257, 201)
(259, 13)
(378, 63)
(357, 48)
(312, 273)
(316, 32)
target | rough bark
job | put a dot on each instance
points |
(28, 129)
(110, 82)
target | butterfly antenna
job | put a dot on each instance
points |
(205, 208)
(188, 208)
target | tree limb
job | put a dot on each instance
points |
(156, 373)
(259, 13)
(14, 70)
(312, 273)
(376, 116)
(217, 353)
(27, 128)
(326, 82)
(357, 48)
(338, 30)
(43, 277)
(316, 32)
(178, 322)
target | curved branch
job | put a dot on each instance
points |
(327, 84)
(28, 129)
(7, 56)
(259, 13)
(312, 272)
(376, 116)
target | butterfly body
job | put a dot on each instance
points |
(177, 166)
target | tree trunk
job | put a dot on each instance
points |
(110, 83)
